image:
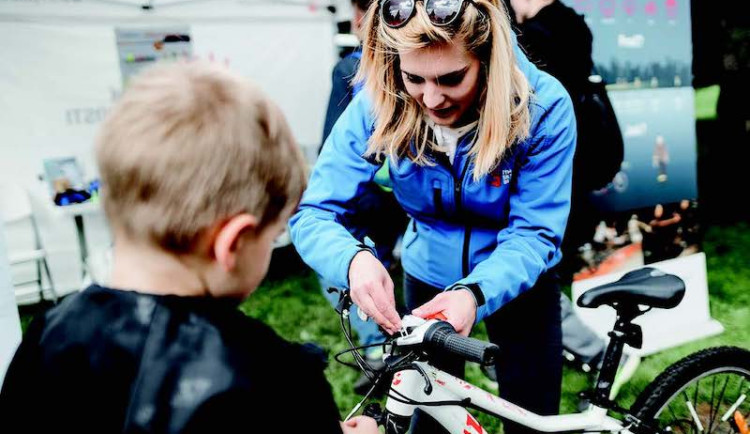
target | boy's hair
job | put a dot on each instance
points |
(189, 145)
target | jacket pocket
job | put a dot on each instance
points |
(437, 198)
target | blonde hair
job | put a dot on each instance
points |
(189, 145)
(484, 30)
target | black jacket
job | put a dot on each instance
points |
(342, 91)
(115, 361)
(559, 42)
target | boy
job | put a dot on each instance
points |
(200, 173)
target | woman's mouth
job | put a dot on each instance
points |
(442, 113)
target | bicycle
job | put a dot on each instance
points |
(673, 402)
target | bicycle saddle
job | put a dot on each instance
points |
(646, 286)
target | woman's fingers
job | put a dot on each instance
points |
(375, 311)
(387, 306)
(372, 291)
(431, 307)
(388, 285)
(458, 307)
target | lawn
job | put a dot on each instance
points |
(294, 307)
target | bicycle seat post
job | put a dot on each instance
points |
(624, 332)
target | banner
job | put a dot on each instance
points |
(63, 64)
(642, 49)
(139, 48)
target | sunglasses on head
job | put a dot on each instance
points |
(396, 13)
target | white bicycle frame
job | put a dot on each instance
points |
(456, 419)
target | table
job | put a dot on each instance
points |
(78, 211)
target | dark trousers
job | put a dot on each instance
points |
(529, 335)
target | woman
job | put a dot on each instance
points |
(480, 146)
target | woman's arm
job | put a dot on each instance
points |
(319, 228)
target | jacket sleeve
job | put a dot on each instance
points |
(319, 229)
(539, 207)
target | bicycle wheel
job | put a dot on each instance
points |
(706, 392)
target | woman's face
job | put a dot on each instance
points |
(444, 80)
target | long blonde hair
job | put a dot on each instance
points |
(503, 105)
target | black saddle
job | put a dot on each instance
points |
(643, 287)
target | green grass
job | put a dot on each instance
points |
(297, 310)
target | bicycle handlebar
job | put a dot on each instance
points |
(441, 336)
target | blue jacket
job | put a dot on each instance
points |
(496, 236)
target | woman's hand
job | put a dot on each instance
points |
(372, 291)
(458, 307)
(360, 424)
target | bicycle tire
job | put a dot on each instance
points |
(675, 401)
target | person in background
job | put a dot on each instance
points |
(343, 87)
(200, 173)
(379, 216)
(559, 42)
(662, 241)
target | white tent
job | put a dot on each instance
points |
(60, 72)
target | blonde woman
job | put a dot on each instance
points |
(480, 146)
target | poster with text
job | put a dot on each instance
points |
(642, 49)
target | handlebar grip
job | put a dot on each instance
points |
(443, 337)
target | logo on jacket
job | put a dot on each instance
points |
(507, 173)
(501, 177)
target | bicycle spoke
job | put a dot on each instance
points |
(721, 396)
(674, 416)
(734, 407)
(697, 406)
(694, 414)
(711, 414)
(677, 423)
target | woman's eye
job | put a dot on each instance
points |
(415, 79)
(452, 80)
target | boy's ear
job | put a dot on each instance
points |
(228, 237)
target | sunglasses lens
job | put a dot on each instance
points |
(396, 12)
(442, 12)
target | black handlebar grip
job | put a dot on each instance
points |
(443, 337)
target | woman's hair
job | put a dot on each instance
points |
(503, 102)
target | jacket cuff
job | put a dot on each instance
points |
(473, 288)
(359, 248)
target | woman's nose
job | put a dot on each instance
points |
(433, 96)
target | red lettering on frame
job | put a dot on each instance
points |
(472, 423)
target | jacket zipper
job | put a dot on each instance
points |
(467, 229)
(458, 184)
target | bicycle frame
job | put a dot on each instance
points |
(411, 384)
